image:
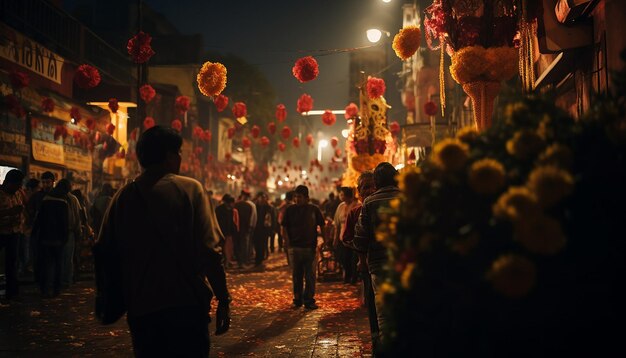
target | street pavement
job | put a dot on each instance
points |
(263, 323)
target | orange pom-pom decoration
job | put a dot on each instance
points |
(328, 118)
(334, 141)
(407, 41)
(239, 110)
(309, 139)
(221, 102)
(110, 128)
(47, 104)
(285, 132)
(255, 131)
(264, 141)
(113, 105)
(177, 125)
(231, 132)
(296, 142)
(305, 103)
(281, 113)
(305, 69)
(430, 108)
(211, 78)
(281, 147)
(394, 128)
(245, 142)
(139, 48)
(87, 77)
(271, 127)
(147, 93)
(375, 87)
(182, 104)
(351, 111)
(148, 123)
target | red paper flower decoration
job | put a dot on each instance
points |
(281, 113)
(430, 108)
(147, 93)
(177, 125)
(281, 146)
(75, 114)
(245, 142)
(113, 105)
(47, 104)
(148, 123)
(221, 102)
(231, 132)
(198, 132)
(328, 118)
(209, 157)
(305, 69)
(239, 110)
(110, 128)
(255, 131)
(305, 103)
(60, 131)
(182, 104)
(228, 156)
(76, 136)
(309, 139)
(87, 77)
(19, 80)
(394, 128)
(198, 150)
(271, 127)
(211, 78)
(375, 87)
(139, 47)
(285, 132)
(264, 141)
(334, 141)
(207, 136)
(90, 123)
(351, 111)
(296, 142)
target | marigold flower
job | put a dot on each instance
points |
(503, 63)
(550, 184)
(407, 41)
(450, 154)
(542, 235)
(512, 275)
(469, 64)
(375, 87)
(139, 48)
(305, 103)
(147, 93)
(305, 69)
(517, 204)
(328, 118)
(281, 112)
(240, 110)
(87, 76)
(211, 78)
(468, 134)
(177, 125)
(486, 176)
(182, 104)
(557, 155)
(148, 123)
(221, 102)
(351, 111)
(410, 181)
(524, 145)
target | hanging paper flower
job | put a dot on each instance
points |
(264, 141)
(197, 132)
(139, 47)
(197, 150)
(255, 131)
(207, 136)
(90, 123)
(305, 69)
(113, 105)
(430, 108)
(334, 141)
(133, 134)
(285, 132)
(47, 104)
(76, 136)
(228, 156)
(271, 127)
(147, 93)
(281, 113)
(375, 87)
(211, 78)
(407, 41)
(231, 132)
(305, 103)
(309, 139)
(19, 80)
(182, 104)
(75, 114)
(60, 131)
(394, 128)
(351, 111)
(221, 102)
(87, 77)
(245, 142)
(239, 110)
(328, 118)
(296, 142)
(177, 125)
(281, 146)
(148, 123)
(110, 128)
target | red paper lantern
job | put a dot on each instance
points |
(207, 136)
(285, 132)
(375, 87)
(113, 105)
(394, 128)
(177, 125)
(309, 139)
(231, 132)
(182, 104)
(47, 104)
(271, 127)
(351, 111)
(147, 93)
(139, 47)
(19, 80)
(90, 123)
(110, 128)
(264, 141)
(305, 103)
(305, 69)
(197, 132)
(334, 141)
(87, 77)
(430, 108)
(296, 142)
(255, 131)
(281, 146)
(328, 118)
(239, 110)
(148, 123)
(281, 113)
(245, 142)
(221, 102)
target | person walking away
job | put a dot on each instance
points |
(364, 238)
(281, 214)
(344, 255)
(263, 229)
(228, 220)
(301, 221)
(31, 187)
(247, 222)
(11, 225)
(74, 234)
(100, 205)
(160, 228)
(86, 232)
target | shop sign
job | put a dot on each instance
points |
(13, 144)
(48, 152)
(21, 50)
(77, 158)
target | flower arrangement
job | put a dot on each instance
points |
(221, 102)
(281, 113)
(239, 109)
(285, 132)
(328, 117)
(139, 47)
(375, 87)
(148, 123)
(19, 80)
(352, 110)
(47, 104)
(305, 69)
(305, 103)
(177, 125)
(271, 127)
(75, 114)
(147, 93)
(87, 76)
(211, 79)
(407, 41)
(113, 105)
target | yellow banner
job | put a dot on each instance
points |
(48, 152)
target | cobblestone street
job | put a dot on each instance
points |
(263, 324)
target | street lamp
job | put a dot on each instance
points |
(374, 35)
(320, 145)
